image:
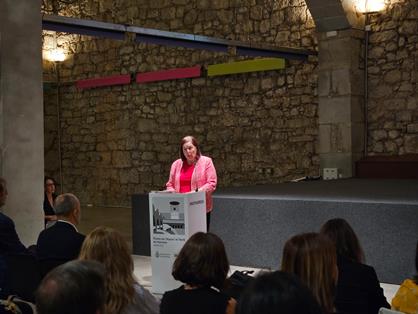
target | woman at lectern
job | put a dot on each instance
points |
(193, 172)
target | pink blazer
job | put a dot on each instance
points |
(203, 178)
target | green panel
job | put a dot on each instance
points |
(246, 66)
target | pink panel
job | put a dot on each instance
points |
(104, 81)
(164, 75)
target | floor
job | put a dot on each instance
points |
(120, 218)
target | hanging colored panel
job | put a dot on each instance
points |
(256, 65)
(172, 74)
(104, 81)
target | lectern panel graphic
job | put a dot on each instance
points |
(174, 217)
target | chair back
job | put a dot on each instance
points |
(23, 275)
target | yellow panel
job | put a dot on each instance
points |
(246, 66)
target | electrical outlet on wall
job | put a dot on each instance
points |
(330, 173)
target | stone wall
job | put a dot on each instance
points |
(257, 127)
(393, 67)
(51, 130)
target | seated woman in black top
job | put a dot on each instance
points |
(202, 266)
(49, 198)
(358, 289)
(277, 292)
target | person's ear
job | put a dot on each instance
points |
(76, 214)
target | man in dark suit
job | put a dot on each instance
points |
(9, 240)
(62, 240)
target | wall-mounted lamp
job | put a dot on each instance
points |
(51, 51)
(55, 55)
(370, 6)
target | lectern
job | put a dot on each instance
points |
(174, 217)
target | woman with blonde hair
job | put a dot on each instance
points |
(312, 257)
(124, 295)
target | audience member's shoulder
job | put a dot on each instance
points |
(45, 232)
(344, 262)
(174, 292)
(64, 225)
(367, 270)
(410, 284)
(356, 270)
(139, 289)
(172, 297)
(5, 219)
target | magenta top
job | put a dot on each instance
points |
(186, 173)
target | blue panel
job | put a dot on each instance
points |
(82, 30)
(254, 52)
(157, 40)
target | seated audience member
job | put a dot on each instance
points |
(49, 198)
(123, 293)
(406, 298)
(358, 289)
(202, 265)
(62, 240)
(277, 292)
(9, 240)
(76, 287)
(312, 257)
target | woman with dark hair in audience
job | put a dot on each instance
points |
(124, 295)
(406, 299)
(49, 198)
(358, 289)
(312, 257)
(202, 266)
(277, 292)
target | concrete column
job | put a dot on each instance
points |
(21, 114)
(341, 100)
